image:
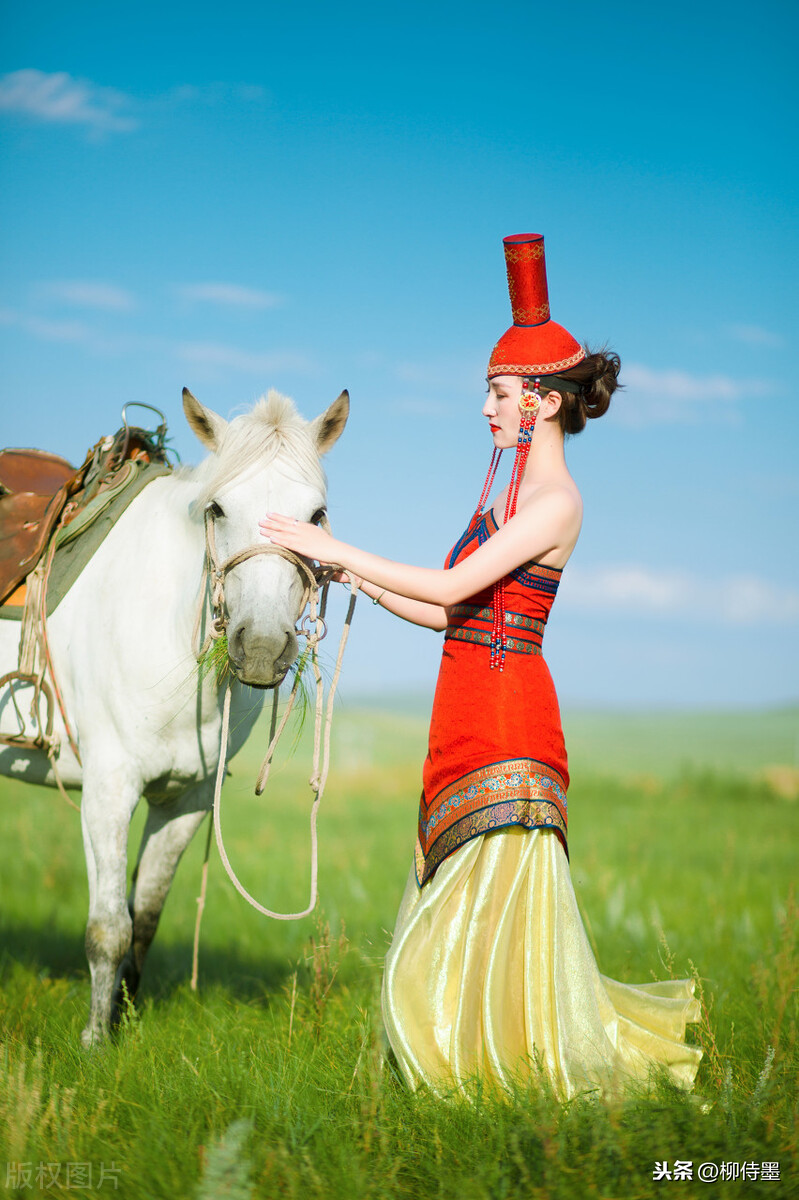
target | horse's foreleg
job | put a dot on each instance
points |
(109, 798)
(167, 833)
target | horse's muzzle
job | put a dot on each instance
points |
(261, 661)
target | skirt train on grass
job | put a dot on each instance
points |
(491, 976)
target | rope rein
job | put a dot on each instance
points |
(313, 627)
(34, 664)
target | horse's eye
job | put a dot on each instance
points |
(215, 510)
(319, 516)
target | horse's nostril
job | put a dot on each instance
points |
(289, 651)
(235, 644)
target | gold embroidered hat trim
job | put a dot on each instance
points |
(548, 368)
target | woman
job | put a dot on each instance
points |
(490, 973)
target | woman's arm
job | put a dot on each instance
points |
(547, 522)
(431, 616)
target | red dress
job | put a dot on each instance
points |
(496, 754)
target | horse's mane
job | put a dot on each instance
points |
(271, 429)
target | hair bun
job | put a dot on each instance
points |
(598, 376)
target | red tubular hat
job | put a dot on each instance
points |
(534, 345)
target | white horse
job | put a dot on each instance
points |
(146, 722)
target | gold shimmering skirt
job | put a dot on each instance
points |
(490, 975)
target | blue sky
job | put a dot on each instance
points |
(315, 198)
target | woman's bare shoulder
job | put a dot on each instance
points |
(560, 498)
(555, 510)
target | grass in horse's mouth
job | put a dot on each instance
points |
(216, 659)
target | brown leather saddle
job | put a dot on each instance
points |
(40, 492)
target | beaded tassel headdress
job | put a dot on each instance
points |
(529, 405)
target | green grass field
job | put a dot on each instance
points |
(269, 1082)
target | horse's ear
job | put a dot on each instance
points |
(327, 428)
(208, 425)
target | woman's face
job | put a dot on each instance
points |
(502, 409)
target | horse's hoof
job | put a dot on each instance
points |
(91, 1039)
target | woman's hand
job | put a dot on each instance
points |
(300, 536)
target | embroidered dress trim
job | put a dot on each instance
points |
(517, 620)
(518, 792)
(531, 574)
(473, 530)
(539, 578)
(484, 637)
(476, 626)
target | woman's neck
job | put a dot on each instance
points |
(546, 462)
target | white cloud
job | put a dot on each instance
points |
(79, 333)
(60, 99)
(755, 335)
(680, 386)
(213, 354)
(217, 93)
(57, 331)
(642, 591)
(46, 330)
(210, 355)
(87, 293)
(676, 397)
(231, 294)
